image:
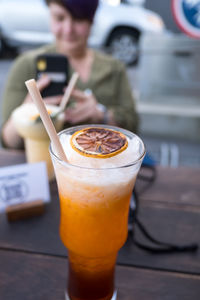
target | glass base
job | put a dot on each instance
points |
(114, 296)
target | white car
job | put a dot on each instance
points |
(117, 27)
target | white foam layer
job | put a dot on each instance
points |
(99, 183)
(24, 114)
(107, 173)
(24, 121)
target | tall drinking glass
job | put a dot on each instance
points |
(35, 137)
(94, 201)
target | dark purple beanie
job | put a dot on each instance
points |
(81, 9)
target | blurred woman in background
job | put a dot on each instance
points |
(111, 101)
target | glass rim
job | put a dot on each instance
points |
(78, 127)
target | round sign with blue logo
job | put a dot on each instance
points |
(187, 16)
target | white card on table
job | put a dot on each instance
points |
(23, 183)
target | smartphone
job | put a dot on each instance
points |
(56, 67)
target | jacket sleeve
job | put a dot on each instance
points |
(15, 90)
(124, 112)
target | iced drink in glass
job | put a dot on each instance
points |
(30, 127)
(95, 188)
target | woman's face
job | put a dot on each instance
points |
(71, 34)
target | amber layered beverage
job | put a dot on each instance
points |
(30, 127)
(95, 191)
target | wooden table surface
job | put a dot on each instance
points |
(33, 261)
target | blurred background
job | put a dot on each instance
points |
(159, 42)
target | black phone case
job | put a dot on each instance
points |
(56, 67)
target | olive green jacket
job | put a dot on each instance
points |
(108, 82)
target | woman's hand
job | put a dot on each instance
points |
(85, 108)
(42, 83)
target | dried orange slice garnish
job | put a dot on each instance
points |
(36, 116)
(98, 142)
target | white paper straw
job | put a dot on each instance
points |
(36, 96)
(68, 90)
